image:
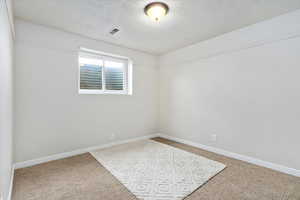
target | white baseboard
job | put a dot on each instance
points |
(255, 161)
(29, 163)
(9, 196)
(252, 160)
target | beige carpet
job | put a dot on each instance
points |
(155, 171)
(83, 178)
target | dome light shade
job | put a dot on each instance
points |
(156, 10)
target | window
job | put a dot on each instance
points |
(102, 73)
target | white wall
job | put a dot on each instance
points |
(243, 86)
(6, 100)
(51, 117)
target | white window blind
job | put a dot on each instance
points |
(100, 74)
(90, 73)
(114, 75)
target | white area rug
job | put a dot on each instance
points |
(155, 171)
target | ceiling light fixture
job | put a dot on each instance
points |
(156, 10)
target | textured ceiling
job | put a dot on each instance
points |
(188, 22)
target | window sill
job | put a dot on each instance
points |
(107, 92)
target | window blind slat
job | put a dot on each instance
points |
(90, 77)
(114, 78)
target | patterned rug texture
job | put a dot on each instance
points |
(155, 171)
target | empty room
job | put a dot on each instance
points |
(149, 100)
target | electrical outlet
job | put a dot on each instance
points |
(113, 136)
(213, 137)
